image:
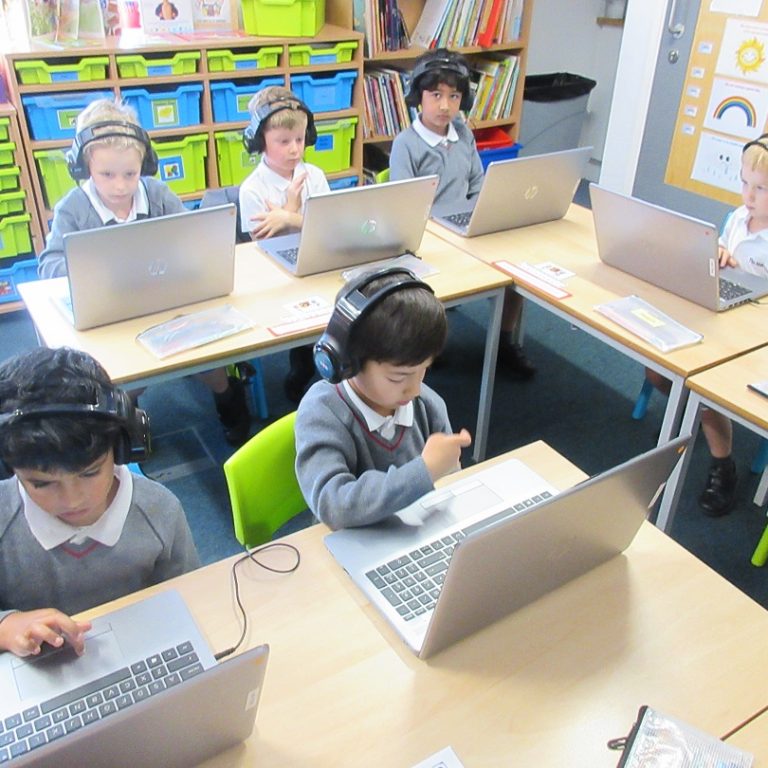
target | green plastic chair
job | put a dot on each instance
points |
(261, 479)
(382, 176)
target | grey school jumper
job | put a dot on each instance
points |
(155, 545)
(458, 164)
(350, 476)
(74, 213)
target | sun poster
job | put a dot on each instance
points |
(724, 102)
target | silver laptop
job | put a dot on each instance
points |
(481, 548)
(353, 226)
(519, 192)
(668, 249)
(147, 692)
(149, 265)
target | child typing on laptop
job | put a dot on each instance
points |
(114, 159)
(743, 244)
(439, 142)
(273, 196)
(76, 527)
(372, 438)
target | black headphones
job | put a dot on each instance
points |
(113, 404)
(444, 61)
(331, 351)
(78, 168)
(758, 142)
(253, 135)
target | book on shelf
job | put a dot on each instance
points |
(493, 82)
(386, 113)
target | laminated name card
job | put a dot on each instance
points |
(193, 330)
(650, 324)
(662, 741)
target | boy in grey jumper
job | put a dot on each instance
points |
(76, 527)
(373, 438)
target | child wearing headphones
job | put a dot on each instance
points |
(272, 198)
(76, 527)
(372, 438)
(113, 157)
(439, 142)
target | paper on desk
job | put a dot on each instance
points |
(193, 330)
(445, 758)
(419, 268)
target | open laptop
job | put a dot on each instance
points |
(519, 192)
(668, 249)
(353, 226)
(481, 548)
(149, 265)
(147, 692)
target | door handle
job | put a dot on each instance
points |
(676, 29)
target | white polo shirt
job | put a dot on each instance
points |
(750, 249)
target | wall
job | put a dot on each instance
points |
(579, 46)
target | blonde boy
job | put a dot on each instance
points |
(272, 198)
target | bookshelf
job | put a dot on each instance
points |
(340, 12)
(205, 130)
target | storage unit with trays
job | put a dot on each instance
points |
(341, 12)
(20, 232)
(192, 97)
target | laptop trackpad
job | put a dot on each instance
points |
(61, 669)
(452, 506)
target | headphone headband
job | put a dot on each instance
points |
(331, 352)
(78, 168)
(440, 61)
(111, 404)
(758, 142)
(253, 135)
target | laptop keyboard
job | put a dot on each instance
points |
(730, 291)
(96, 700)
(289, 254)
(459, 219)
(412, 582)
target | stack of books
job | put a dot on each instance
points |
(386, 113)
(494, 79)
(460, 23)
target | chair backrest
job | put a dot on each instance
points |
(382, 176)
(222, 196)
(261, 479)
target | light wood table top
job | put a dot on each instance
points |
(570, 243)
(262, 291)
(754, 738)
(547, 686)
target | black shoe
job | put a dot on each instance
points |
(717, 498)
(233, 412)
(513, 360)
(301, 374)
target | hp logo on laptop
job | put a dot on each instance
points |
(157, 268)
(368, 227)
(531, 192)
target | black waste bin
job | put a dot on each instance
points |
(554, 108)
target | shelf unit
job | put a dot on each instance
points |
(9, 300)
(339, 12)
(115, 47)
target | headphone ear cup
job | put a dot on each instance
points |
(310, 138)
(150, 163)
(466, 99)
(75, 165)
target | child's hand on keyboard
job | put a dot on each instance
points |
(442, 452)
(24, 632)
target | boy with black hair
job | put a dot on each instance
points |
(439, 142)
(77, 528)
(113, 158)
(378, 439)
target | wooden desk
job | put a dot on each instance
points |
(570, 243)
(547, 686)
(754, 738)
(262, 291)
(723, 388)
